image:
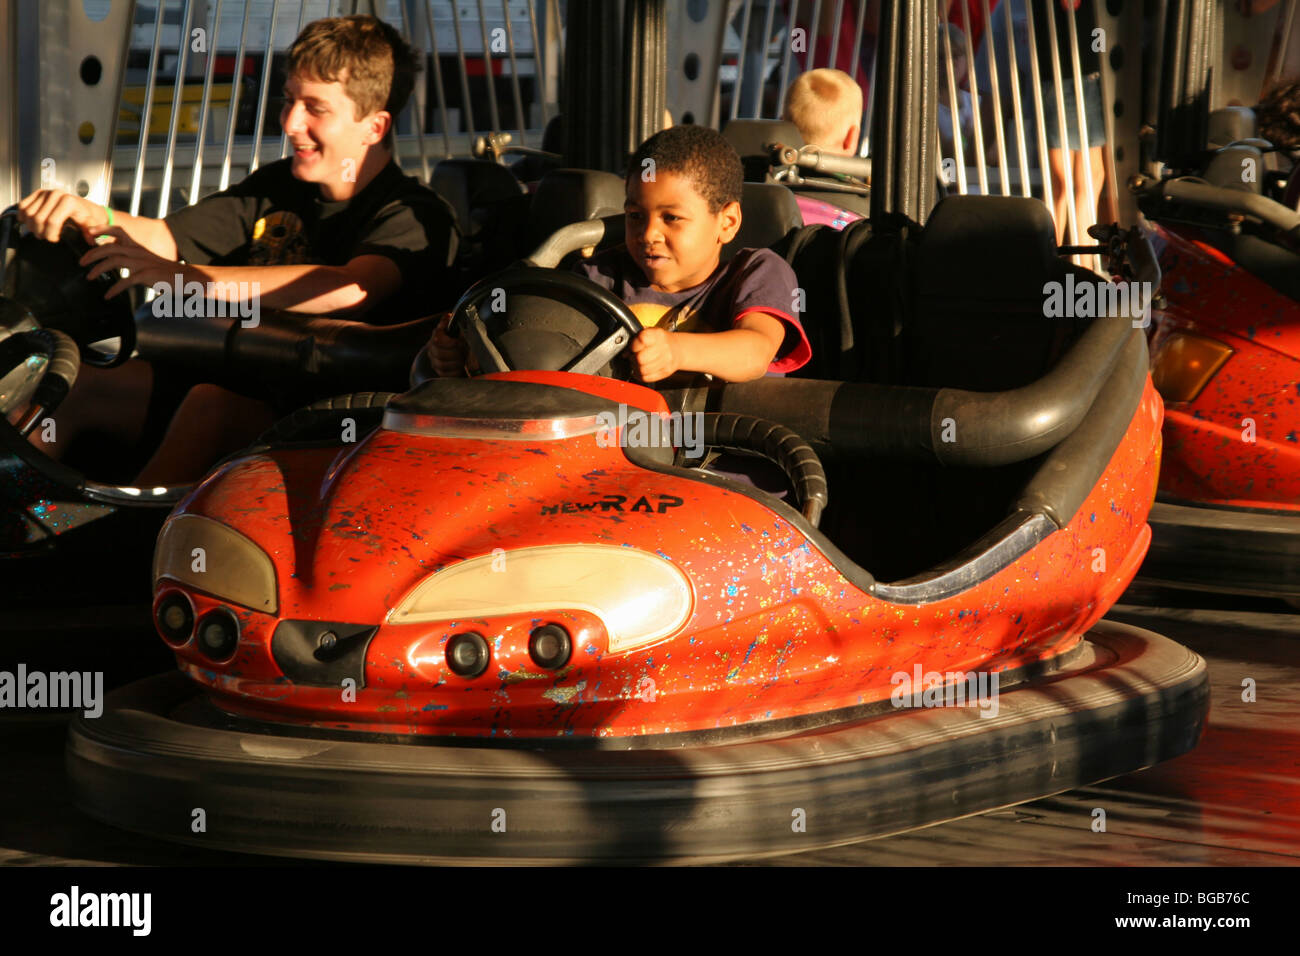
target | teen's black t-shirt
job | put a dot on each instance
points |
(271, 219)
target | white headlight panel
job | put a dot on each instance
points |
(639, 597)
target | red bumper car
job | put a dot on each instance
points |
(1226, 359)
(509, 621)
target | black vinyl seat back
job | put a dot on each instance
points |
(769, 216)
(979, 272)
(750, 138)
(567, 196)
(491, 206)
(1239, 166)
(473, 186)
(1230, 125)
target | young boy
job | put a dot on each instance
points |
(334, 229)
(826, 106)
(683, 205)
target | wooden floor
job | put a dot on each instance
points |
(1234, 801)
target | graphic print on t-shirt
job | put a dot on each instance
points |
(675, 318)
(279, 239)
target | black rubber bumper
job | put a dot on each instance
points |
(1218, 549)
(1133, 699)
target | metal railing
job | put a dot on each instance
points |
(996, 99)
(202, 74)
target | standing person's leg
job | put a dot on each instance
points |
(1087, 205)
(1060, 199)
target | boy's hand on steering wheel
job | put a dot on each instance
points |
(45, 211)
(124, 252)
(447, 354)
(657, 354)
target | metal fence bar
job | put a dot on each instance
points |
(1072, 31)
(416, 104)
(740, 59)
(470, 126)
(812, 34)
(146, 112)
(234, 99)
(1287, 22)
(1040, 125)
(539, 71)
(268, 56)
(977, 146)
(201, 138)
(514, 72)
(438, 91)
(857, 41)
(1058, 90)
(178, 102)
(788, 55)
(836, 19)
(954, 109)
(762, 74)
(488, 76)
(1017, 107)
(995, 92)
(865, 148)
(302, 22)
(553, 11)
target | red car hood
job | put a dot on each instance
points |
(1207, 290)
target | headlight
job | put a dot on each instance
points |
(637, 596)
(1185, 364)
(218, 560)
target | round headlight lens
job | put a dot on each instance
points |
(174, 618)
(218, 635)
(467, 654)
(549, 646)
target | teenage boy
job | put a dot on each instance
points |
(682, 206)
(334, 229)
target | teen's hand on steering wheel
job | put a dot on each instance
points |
(657, 354)
(125, 253)
(45, 211)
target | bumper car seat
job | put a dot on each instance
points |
(490, 206)
(769, 217)
(565, 196)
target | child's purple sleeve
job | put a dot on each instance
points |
(766, 283)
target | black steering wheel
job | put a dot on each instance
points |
(48, 280)
(616, 325)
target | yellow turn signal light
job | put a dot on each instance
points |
(1184, 365)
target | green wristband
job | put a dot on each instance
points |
(110, 215)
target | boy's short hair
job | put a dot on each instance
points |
(699, 154)
(823, 103)
(1278, 114)
(376, 65)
